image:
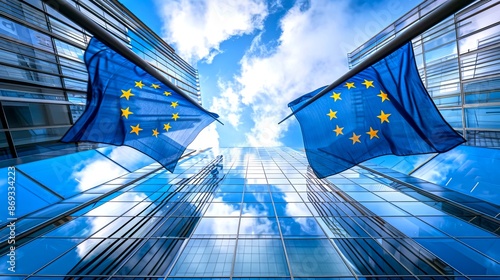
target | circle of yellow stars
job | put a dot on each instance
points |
(373, 133)
(127, 94)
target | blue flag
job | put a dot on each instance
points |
(384, 109)
(127, 106)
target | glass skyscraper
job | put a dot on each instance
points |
(458, 60)
(248, 213)
(43, 79)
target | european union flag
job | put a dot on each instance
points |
(384, 109)
(127, 106)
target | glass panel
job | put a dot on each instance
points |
(31, 136)
(362, 254)
(384, 209)
(205, 257)
(258, 227)
(455, 227)
(482, 91)
(24, 34)
(292, 209)
(217, 226)
(299, 227)
(23, 114)
(223, 209)
(488, 117)
(256, 197)
(33, 255)
(488, 246)
(460, 256)
(86, 170)
(81, 227)
(314, 257)
(27, 195)
(453, 117)
(69, 51)
(257, 209)
(481, 180)
(32, 77)
(127, 157)
(418, 208)
(260, 258)
(4, 147)
(413, 227)
(480, 20)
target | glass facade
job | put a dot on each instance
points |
(253, 213)
(458, 61)
(43, 79)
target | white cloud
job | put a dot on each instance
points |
(198, 27)
(308, 55)
(228, 103)
(95, 172)
(310, 52)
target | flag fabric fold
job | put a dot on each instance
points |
(384, 109)
(127, 106)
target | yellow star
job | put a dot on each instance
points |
(155, 133)
(174, 104)
(126, 112)
(349, 85)
(332, 114)
(383, 117)
(127, 93)
(135, 129)
(155, 86)
(355, 138)
(338, 130)
(372, 133)
(167, 126)
(383, 96)
(167, 93)
(139, 84)
(175, 116)
(368, 83)
(336, 96)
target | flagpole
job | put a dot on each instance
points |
(447, 9)
(67, 10)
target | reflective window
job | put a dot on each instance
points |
(35, 254)
(292, 209)
(217, 226)
(257, 209)
(28, 195)
(314, 257)
(462, 257)
(24, 34)
(481, 179)
(223, 209)
(127, 157)
(454, 226)
(22, 114)
(488, 117)
(413, 227)
(296, 227)
(74, 173)
(258, 227)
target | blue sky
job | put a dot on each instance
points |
(255, 56)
